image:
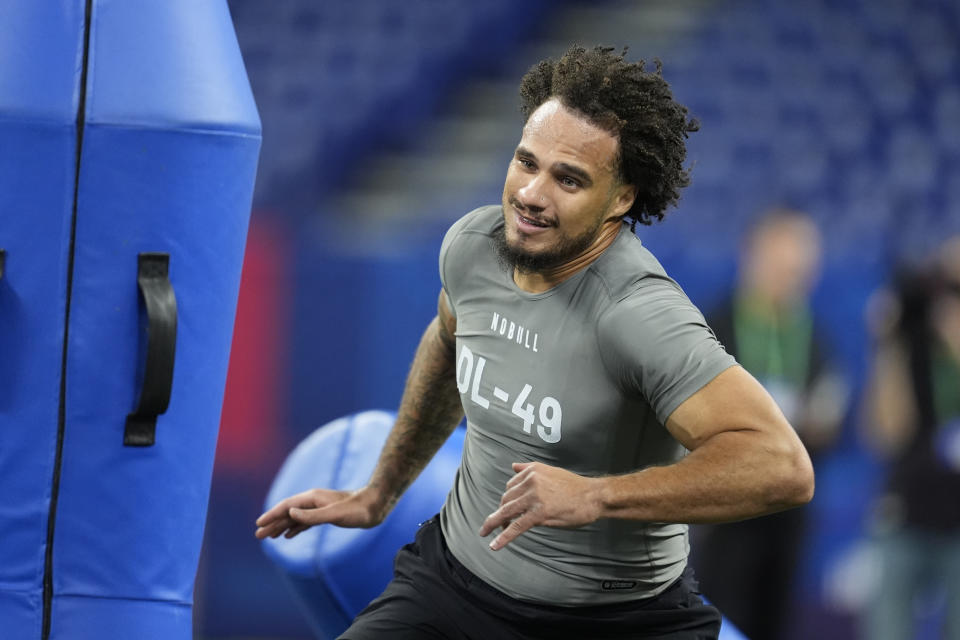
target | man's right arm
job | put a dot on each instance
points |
(429, 411)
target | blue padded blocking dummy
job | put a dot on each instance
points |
(155, 153)
(40, 55)
(169, 153)
(336, 572)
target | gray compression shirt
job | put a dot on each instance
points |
(582, 377)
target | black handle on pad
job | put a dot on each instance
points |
(161, 304)
(3, 262)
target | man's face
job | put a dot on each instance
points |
(783, 260)
(561, 189)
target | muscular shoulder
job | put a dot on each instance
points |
(480, 222)
(646, 316)
(643, 302)
(652, 338)
(628, 268)
(471, 228)
(466, 247)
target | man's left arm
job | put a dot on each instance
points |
(745, 461)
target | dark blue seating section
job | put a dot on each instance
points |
(336, 79)
(847, 108)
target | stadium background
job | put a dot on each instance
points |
(385, 121)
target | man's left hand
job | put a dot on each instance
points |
(542, 495)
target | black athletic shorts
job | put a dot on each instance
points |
(432, 595)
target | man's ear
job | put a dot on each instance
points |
(624, 197)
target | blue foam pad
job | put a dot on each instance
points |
(170, 142)
(168, 161)
(39, 45)
(336, 572)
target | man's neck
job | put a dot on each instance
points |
(540, 281)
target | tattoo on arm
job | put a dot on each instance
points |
(429, 411)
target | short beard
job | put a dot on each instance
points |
(527, 262)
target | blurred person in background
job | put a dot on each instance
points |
(913, 421)
(602, 413)
(747, 568)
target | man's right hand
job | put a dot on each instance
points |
(289, 517)
(429, 412)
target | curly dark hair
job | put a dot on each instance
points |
(632, 104)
